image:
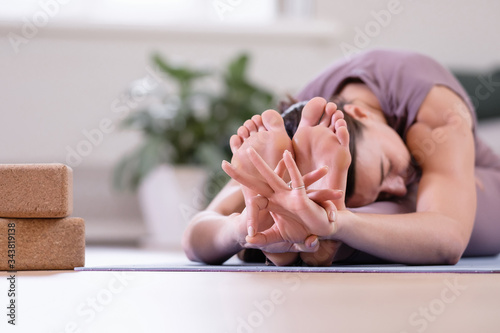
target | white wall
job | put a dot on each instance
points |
(457, 33)
(64, 81)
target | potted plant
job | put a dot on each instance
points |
(185, 129)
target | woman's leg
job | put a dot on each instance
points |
(485, 239)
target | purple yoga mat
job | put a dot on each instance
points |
(465, 265)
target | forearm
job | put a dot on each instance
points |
(415, 238)
(211, 238)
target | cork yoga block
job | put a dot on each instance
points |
(36, 190)
(42, 244)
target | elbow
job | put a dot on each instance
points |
(194, 250)
(187, 245)
(452, 259)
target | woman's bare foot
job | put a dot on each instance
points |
(267, 135)
(322, 139)
(318, 112)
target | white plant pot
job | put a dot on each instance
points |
(169, 197)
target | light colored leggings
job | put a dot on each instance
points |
(485, 238)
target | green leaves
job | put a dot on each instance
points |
(237, 68)
(183, 75)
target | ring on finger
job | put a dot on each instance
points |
(295, 188)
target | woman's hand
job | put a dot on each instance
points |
(266, 222)
(298, 218)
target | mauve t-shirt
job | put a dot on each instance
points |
(401, 81)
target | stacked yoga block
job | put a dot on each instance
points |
(36, 230)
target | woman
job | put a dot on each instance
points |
(219, 232)
(411, 108)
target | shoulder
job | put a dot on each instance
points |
(441, 140)
(443, 106)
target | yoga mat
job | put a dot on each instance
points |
(465, 265)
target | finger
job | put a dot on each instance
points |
(267, 237)
(315, 175)
(331, 213)
(254, 206)
(324, 195)
(280, 169)
(303, 248)
(293, 170)
(331, 210)
(245, 179)
(324, 256)
(273, 180)
(312, 243)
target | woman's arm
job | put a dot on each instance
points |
(216, 234)
(439, 230)
(443, 144)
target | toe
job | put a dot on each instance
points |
(337, 115)
(340, 123)
(343, 135)
(250, 125)
(326, 118)
(257, 120)
(243, 132)
(312, 112)
(235, 143)
(272, 120)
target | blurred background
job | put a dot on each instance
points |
(71, 72)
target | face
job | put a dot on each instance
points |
(383, 167)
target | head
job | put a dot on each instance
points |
(383, 162)
(380, 160)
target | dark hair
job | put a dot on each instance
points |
(292, 112)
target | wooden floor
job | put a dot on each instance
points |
(252, 302)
